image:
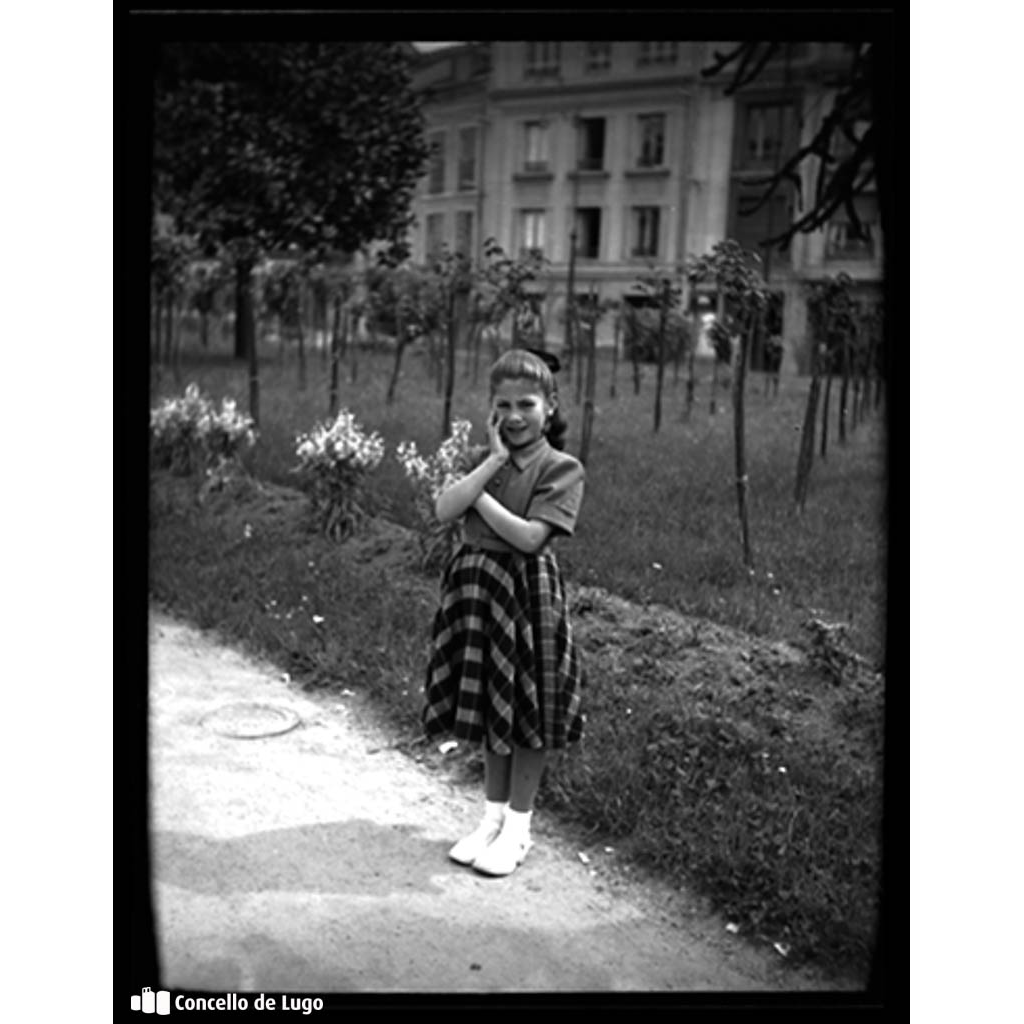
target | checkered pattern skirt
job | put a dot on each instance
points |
(504, 669)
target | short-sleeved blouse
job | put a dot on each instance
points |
(537, 482)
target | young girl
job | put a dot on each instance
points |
(504, 670)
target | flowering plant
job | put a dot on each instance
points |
(430, 475)
(335, 458)
(190, 433)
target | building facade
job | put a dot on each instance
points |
(626, 151)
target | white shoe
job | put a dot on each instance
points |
(504, 854)
(467, 849)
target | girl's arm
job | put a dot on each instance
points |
(528, 535)
(452, 502)
(460, 496)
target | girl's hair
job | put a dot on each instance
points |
(519, 364)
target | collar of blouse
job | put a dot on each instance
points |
(526, 456)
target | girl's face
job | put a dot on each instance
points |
(523, 410)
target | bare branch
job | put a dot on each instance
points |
(723, 60)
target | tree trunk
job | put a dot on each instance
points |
(204, 329)
(154, 326)
(353, 336)
(321, 322)
(616, 332)
(806, 457)
(168, 329)
(245, 333)
(400, 342)
(449, 378)
(844, 389)
(865, 389)
(661, 364)
(635, 357)
(740, 441)
(437, 351)
(714, 386)
(588, 405)
(678, 355)
(302, 347)
(332, 400)
(478, 344)
(878, 367)
(577, 332)
(691, 379)
(176, 342)
(245, 321)
(824, 408)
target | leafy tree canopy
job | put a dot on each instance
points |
(263, 146)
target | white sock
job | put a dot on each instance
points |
(495, 810)
(518, 823)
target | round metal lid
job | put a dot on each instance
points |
(250, 721)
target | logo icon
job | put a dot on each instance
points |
(152, 1002)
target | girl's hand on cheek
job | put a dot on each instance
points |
(497, 443)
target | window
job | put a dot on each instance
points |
(657, 53)
(535, 146)
(769, 133)
(464, 232)
(467, 158)
(542, 59)
(531, 230)
(434, 234)
(652, 140)
(591, 144)
(436, 165)
(843, 241)
(588, 232)
(646, 221)
(598, 56)
(752, 225)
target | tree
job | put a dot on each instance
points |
(261, 146)
(589, 312)
(453, 273)
(405, 302)
(501, 287)
(170, 255)
(743, 301)
(831, 314)
(665, 291)
(205, 282)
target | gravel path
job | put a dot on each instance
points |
(315, 861)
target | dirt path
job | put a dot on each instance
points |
(315, 861)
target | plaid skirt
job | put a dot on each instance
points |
(504, 669)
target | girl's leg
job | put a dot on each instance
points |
(506, 852)
(497, 775)
(527, 767)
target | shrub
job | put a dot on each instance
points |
(429, 476)
(334, 460)
(188, 434)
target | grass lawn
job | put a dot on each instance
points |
(659, 520)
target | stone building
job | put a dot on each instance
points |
(647, 159)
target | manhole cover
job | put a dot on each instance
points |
(250, 721)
